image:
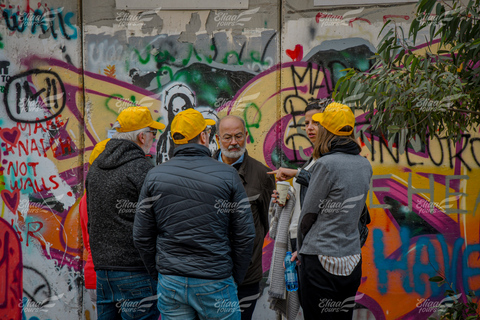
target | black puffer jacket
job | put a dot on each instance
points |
(193, 218)
(113, 185)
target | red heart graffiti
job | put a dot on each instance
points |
(10, 135)
(297, 54)
(11, 199)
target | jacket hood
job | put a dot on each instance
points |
(118, 152)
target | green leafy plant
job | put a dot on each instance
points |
(435, 90)
(458, 308)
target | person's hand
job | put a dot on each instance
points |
(275, 197)
(283, 174)
(294, 257)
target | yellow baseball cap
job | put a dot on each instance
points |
(189, 123)
(99, 147)
(335, 117)
(136, 118)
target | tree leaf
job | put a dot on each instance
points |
(436, 279)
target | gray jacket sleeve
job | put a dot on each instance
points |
(144, 229)
(242, 231)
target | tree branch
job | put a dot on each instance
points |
(464, 110)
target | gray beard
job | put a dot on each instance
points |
(233, 154)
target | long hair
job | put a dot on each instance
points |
(323, 144)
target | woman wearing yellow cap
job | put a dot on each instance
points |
(328, 238)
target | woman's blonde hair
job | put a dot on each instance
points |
(323, 144)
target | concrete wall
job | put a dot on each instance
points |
(78, 68)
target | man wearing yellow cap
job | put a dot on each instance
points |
(194, 227)
(113, 185)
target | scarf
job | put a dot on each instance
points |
(283, 302)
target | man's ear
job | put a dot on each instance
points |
(203, 138)
(142, 137)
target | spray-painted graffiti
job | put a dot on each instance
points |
(11, 272)
(30, 106)
(160, 61)
(50, 21)
(424, 200)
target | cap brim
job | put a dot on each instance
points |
(156, 125)
(318, 117)
(210, 122)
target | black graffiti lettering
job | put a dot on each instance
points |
(23, 103)
(299, 79)
(473, 150)
(458, 155)
(215, 49)
(292, 138)
(410, 163)
(441, 150)
(62, 26)
(14, 18)
(382, 143)
(264, 53)
(38, 289)
(4, 68)
(51, 93)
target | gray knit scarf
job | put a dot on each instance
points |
(283, 302)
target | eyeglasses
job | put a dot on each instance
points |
(238, 137)
(154, 132)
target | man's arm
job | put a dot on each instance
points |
(242, 232)
(145, 230)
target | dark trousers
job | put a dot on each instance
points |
(249, 294)
(324, 295)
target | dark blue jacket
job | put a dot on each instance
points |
(193, 218)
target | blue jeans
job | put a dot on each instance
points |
(186, 298)
(126, 295)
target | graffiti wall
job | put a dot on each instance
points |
(41, 166)
(66, 74)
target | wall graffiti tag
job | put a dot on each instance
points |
(24, 102)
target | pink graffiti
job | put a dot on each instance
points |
(350, 23)
(388, 16)
(11, 272)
